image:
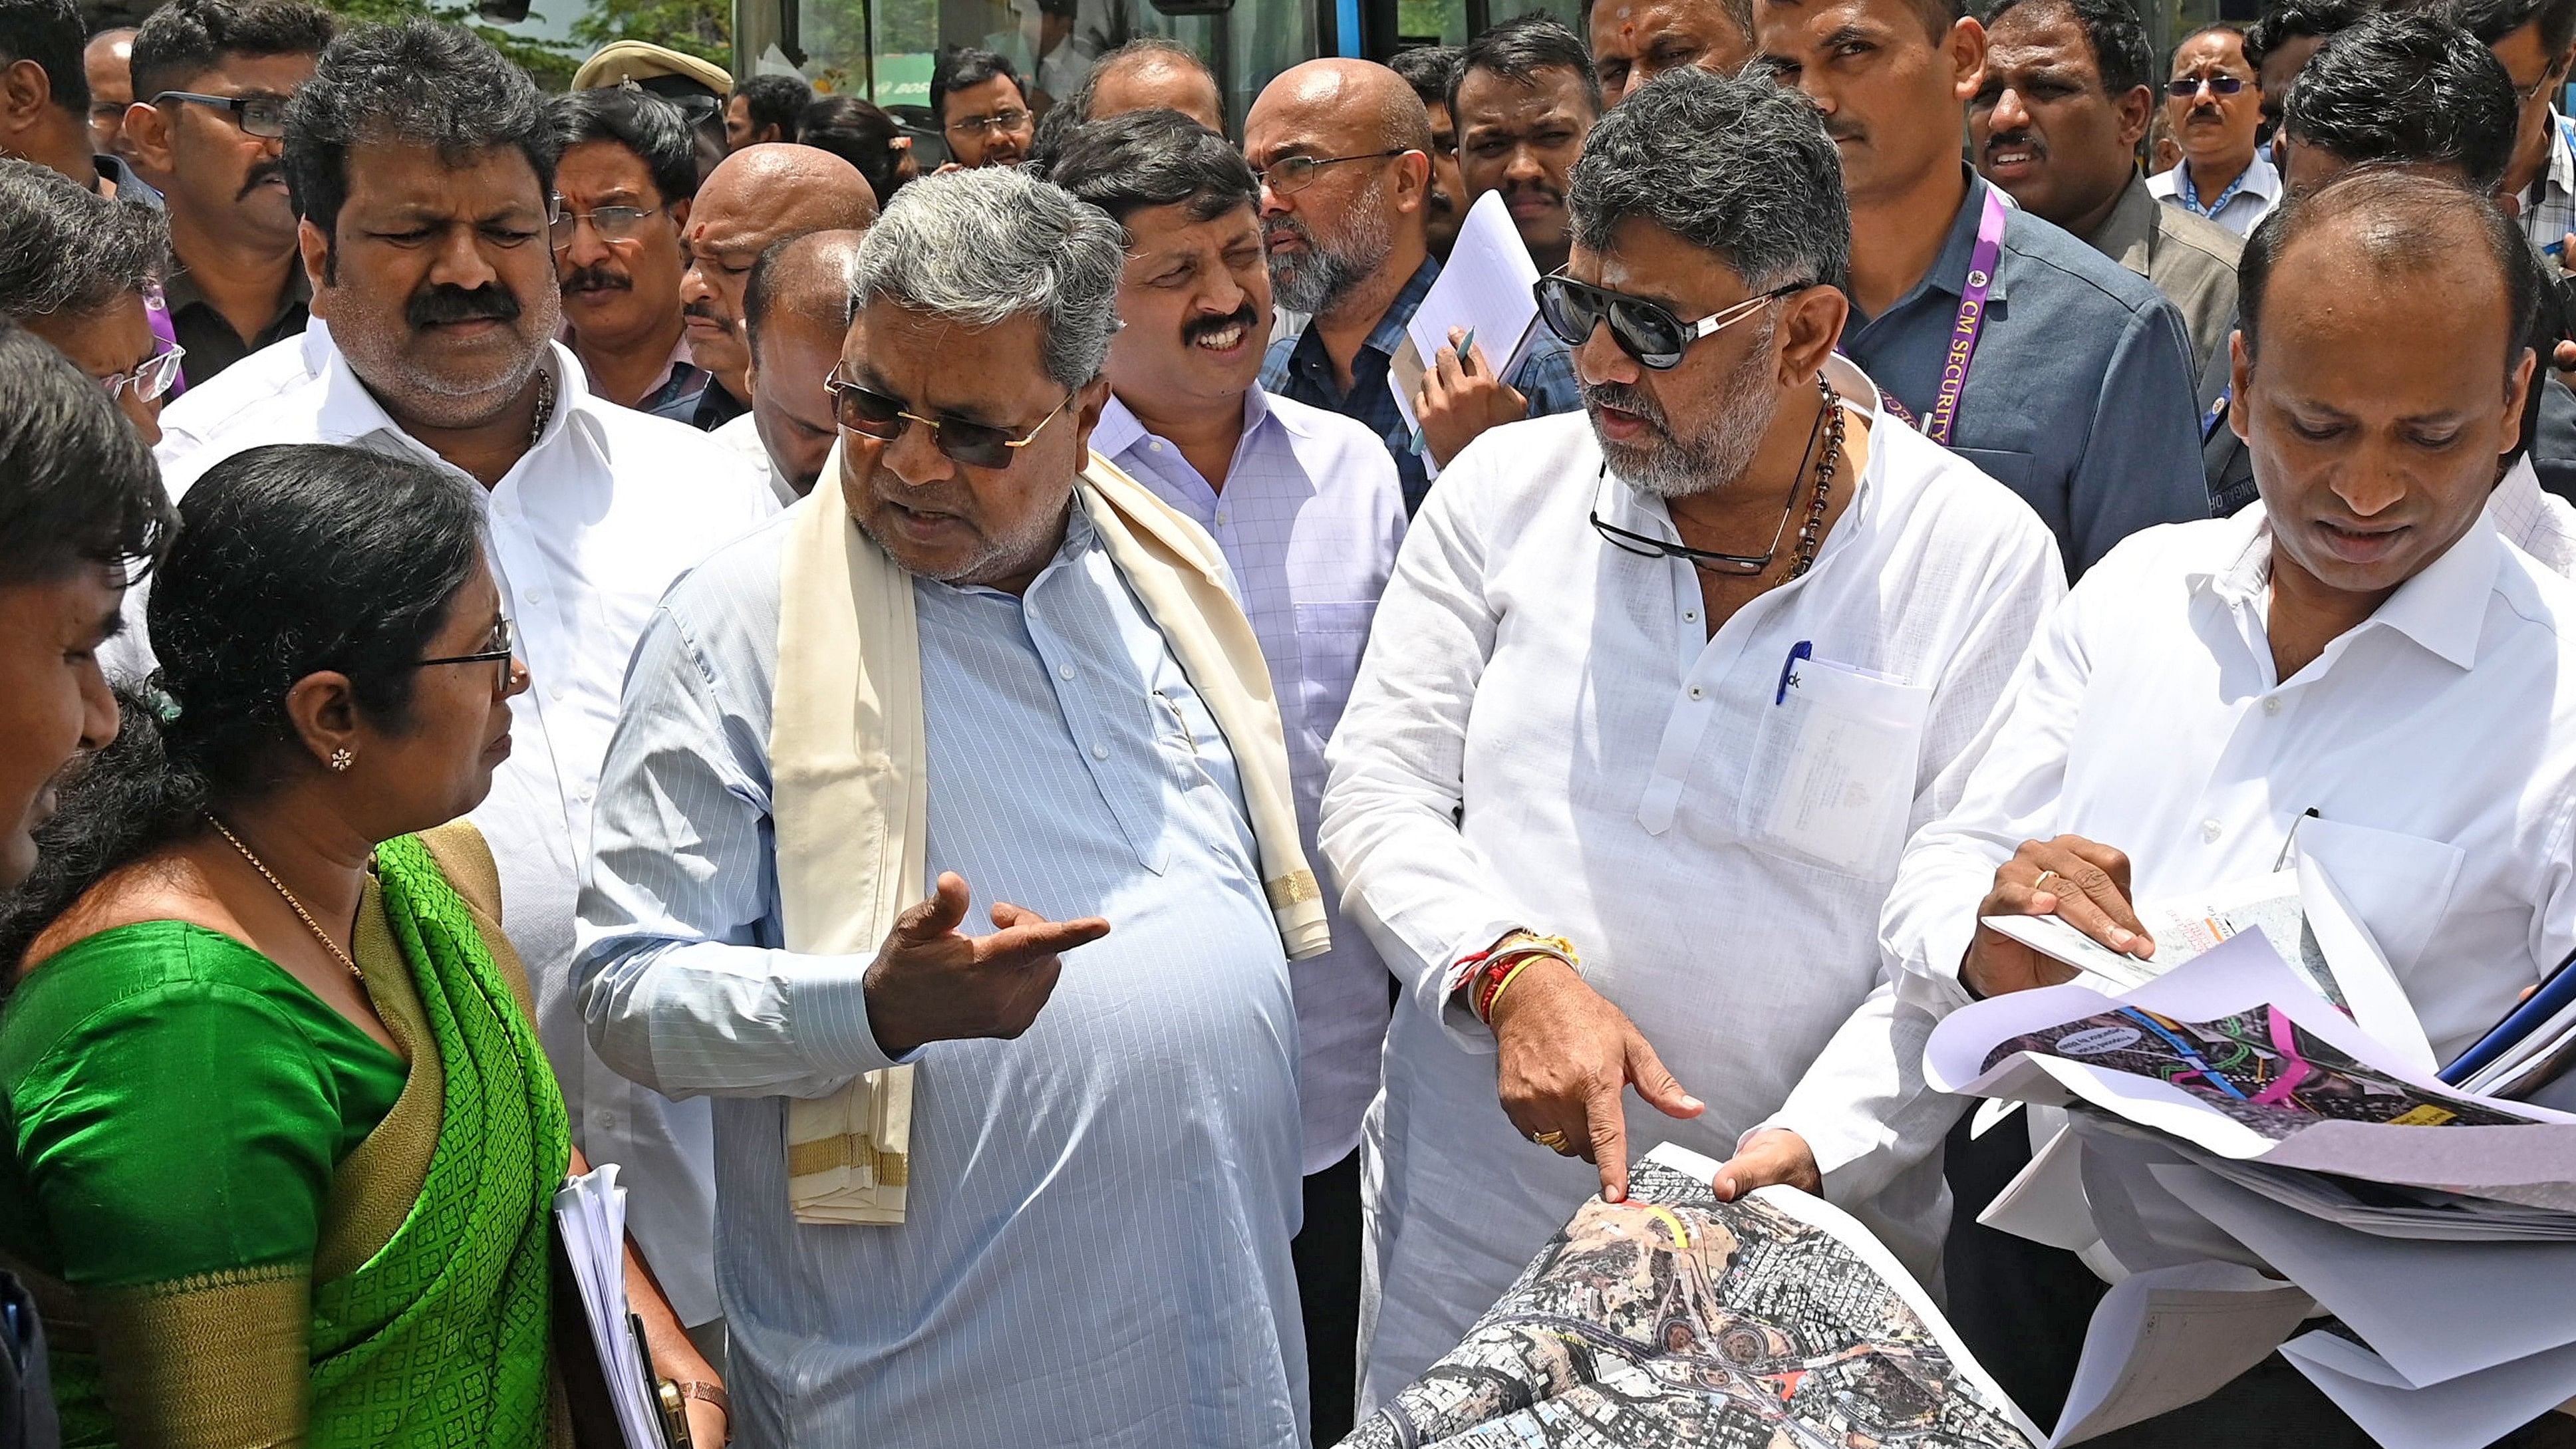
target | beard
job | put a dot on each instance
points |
(1313, 280)
(1710, 457)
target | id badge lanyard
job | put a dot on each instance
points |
(1964, 331)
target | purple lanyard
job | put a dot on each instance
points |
(156, 312)
(1963, 333)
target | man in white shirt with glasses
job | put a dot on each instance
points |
(1654, 699)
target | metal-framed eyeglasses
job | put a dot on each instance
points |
(1646, 331)
(616, 225)
(501, 653)
(1291, 174)
(263, 116)
(872, 414)
(151, 378)
(1006, 119)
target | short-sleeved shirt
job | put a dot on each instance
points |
(1299, 369)
(2079, 396)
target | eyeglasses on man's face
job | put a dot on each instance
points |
(1006, 119)
(500, 651)
(872, 414)
(2183, 88)
(1291, 174)
(150, 379)
(263, 116)
(616, 225)
(1646, 331)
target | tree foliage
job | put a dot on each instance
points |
(550, 62)
(703, 28)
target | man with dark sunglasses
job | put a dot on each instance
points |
(213, 78)
(1654, 700)
(2217, 112)
(2048, 365)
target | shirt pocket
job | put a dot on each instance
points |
(2400, 885)
(1330, 639)
(1831, 782)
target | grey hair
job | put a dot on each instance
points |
(984, 246)
(64, 249)
(1738, 166)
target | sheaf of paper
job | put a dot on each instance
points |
(2464, 1413)
(2434, 1310)
(1486, 287)
(1672, 1318)
(2143, 1226)
(2235, 1054)
(2045, 1201)
(2174, 1336)
(590, 1213)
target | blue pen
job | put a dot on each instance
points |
(1803, 649)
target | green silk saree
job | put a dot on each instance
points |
(236, 1238)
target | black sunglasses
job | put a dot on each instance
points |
(1646, 331)
(872, 414)
(2183, 88)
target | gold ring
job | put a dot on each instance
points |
(2040, 881)
(1552, 1140)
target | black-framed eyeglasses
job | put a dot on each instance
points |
(151, 378)
(1646, 545)
(1646, 331)
(502, 652)
(616, 225)
(2183, 88)
(1291, 174)
(872, 414)
(263, 116)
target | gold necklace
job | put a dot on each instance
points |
(292, 903)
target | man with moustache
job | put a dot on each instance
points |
(2211, 688)
(759, 196)
(214, 77)
(1599, 797)
(421, 162)
(1305, 506)
(2046, 364)
(1634, 41)
(796, 310)
(983, 109)
(2056, 124)
(2217, 108)
(1431, 70)
(1342, 150)
(1523, 99)
(622, 192)
(976, 660)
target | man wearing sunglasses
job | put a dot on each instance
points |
(951, 675)
(2052, 368)
(622, 195)
(2217, 112)
(74, 267)
(214, 77)
(1655, 698)
(2536, 40)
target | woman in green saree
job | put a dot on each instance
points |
(280, 1144)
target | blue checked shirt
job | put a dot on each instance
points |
(1299, 369)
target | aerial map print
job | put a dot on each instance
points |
(2257, 1067)
(1675, 1320)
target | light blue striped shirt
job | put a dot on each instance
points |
(1096, 1250)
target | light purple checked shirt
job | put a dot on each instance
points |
(1310, 516)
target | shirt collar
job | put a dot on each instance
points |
(1120, 429)
(2443, 607)
(180, 290)
(2560, 176)
(1388, 335)
(2259, 179)
(2131, 224)
(1950, 269)
(350, 413)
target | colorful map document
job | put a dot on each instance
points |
(1673, 1319)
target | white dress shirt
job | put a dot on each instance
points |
(188, 419)
(586, 532)
(742, 436)
(2435, 744)
(2248, 199)
(2539, 522)
(1545, 735)
(1310, 521)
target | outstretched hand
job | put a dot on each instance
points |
(931, 982)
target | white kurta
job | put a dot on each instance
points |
(1545, 735)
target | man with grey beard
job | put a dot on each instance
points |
(1653, 702)
(1343, 150)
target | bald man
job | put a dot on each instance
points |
(108, 60)
(796, 310)
(1147, 74)
(760, 195)
(1343, 149)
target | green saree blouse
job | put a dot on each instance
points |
(247, 1222)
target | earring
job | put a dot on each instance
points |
(341, 759)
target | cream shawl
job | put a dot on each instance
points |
(850, 784)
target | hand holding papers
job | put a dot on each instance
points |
(1484, 291)
(1673, 1318)
(590, 1232)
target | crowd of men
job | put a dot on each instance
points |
(1910, 508)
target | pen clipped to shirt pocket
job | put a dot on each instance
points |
(1833, 774)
